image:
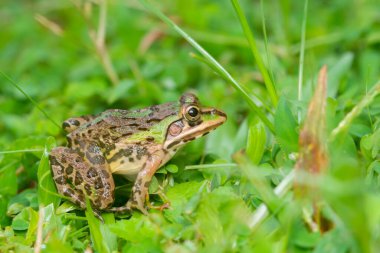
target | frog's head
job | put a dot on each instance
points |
(193, 122)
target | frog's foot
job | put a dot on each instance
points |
(98, 215)
(128, 208)
(119, 209)
(166, 205)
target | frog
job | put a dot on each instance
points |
(132, 143)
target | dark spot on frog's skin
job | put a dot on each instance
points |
(114, 137)
(97, 159)
(205, 133)
(69, 142)
(65, 125)
(93, 149)
(60, 180)
(69, 170)
(75, 122)
(80, 143)
(98, 183)
(89, 131)
(153, 120)
(147, 183)
(108, 148)
(78, 179)
(107, 186)
(59, 170)
(126, 134)
(96, 202)
(106, 135)
(92, 173)
(133, 124)
(104, 174)
(173, 144)
(141, 152)
(130, 159)
(150, 138)
(54, 161)
(190, 139)
(81, 198)
(68, 192)
(87, 187)
(121, 153)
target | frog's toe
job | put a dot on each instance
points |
(98, 215)
(166, 205)
(141, 208)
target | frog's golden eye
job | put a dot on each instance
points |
(192, 113)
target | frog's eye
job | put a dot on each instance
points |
(192, 113)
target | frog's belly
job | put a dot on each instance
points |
(128, 168)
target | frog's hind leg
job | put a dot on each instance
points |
(62, 169)
(76, 178)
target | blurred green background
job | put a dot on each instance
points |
(46, 48)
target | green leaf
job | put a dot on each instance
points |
(46, 187)
(286, 127)
(101, 238)
(136, 229)
(340, 68)
(179, 196)
(256, 141)
(8, 180)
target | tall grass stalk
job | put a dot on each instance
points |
(256, 54)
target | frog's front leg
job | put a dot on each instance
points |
(141, 185)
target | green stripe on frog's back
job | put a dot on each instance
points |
(156, 133)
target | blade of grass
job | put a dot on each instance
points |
(252, 43)
(262, 211)
(302, 56)
(30, 98)
(21, 151)
(210, 61)
(266, 40)
(363, 103)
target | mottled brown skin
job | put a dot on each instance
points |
(134, 143)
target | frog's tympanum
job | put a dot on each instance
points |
(133, 143)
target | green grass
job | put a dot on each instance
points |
(231, 191)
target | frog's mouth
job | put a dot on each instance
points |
(211, 118)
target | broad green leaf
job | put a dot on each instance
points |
(179, 195)
(256, 141)
(137, 229)
(100, 241)
(286, 127)
(340, 68)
